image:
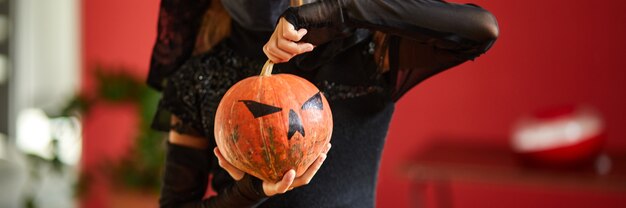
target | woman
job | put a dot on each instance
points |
(363, 55)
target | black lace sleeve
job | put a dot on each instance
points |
(424, 37)
(184, 81)
(179, 22)
(192, 94)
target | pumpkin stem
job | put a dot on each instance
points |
(267, 68)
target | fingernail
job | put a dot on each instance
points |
(323, 157)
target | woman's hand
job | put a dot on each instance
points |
(284, 45)
(289, 180)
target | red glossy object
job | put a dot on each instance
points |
(566, 136)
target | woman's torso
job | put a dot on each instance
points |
(358, 96)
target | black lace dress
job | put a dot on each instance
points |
(422, 38)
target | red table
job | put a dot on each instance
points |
(439, 165)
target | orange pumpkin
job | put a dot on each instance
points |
(266, 125)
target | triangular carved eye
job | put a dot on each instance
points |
(314, 102)
(259, 109)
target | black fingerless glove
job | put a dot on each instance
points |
(247, 192)
(315, 15)
(324, 21)
(186, 177)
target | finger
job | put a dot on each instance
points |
(293, 47)
(271, 54)
(301, 33)
(272, 58)
(289, 31)
(283, 185)
(310, 172)
(232, 170)
(328, 146)
(281, 56)
(276, 49)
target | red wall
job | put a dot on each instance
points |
(549, 53)
(115, 33)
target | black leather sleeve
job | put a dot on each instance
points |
(185, 182)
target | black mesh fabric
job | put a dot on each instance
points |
(423, 38)
(179, 22)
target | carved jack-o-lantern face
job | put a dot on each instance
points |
(267, 125)
(295, 123)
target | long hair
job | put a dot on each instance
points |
(215, 27)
